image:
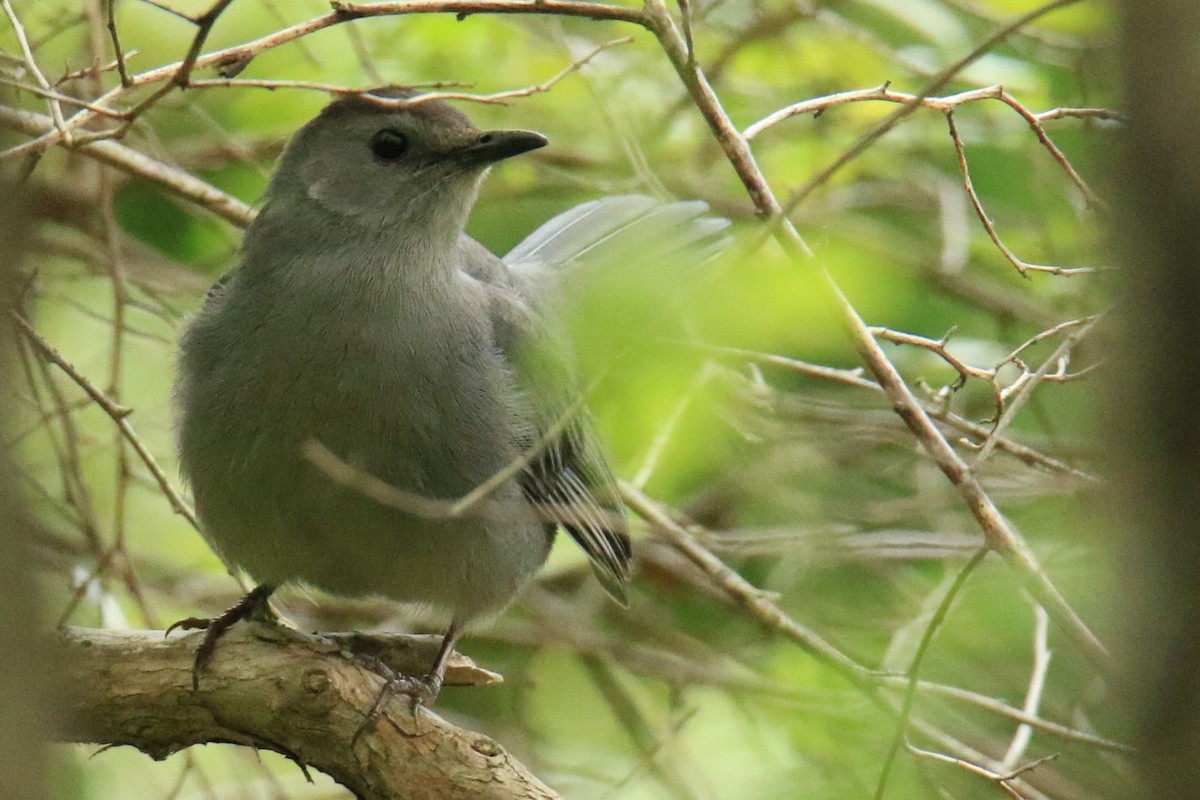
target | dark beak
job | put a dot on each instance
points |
(493, 146)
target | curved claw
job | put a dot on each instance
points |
(254, 604)
(188, 624)
(422, 691)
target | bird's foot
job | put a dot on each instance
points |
(254, 605)
(420, 690)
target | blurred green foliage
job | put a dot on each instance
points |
(813, 490)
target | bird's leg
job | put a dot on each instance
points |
(421, 691)
(432, 680)
(253, 606)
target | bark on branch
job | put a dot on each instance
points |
(300, 695)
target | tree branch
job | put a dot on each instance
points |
(998, 533)
(134, 162)
(271, 687)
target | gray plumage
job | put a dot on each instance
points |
(362, 317)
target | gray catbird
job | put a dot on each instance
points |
(363, 319)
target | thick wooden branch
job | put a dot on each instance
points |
(303, 696)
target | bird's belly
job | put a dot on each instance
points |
(435, 427)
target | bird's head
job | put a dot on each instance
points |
(418, 164)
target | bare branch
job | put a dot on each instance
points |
(991, 375)
(943, 78)
(763, 608)
(110, 21)
(269, 687)
(998, 532)
(32, 65)
(63, 98)
(1023, 267)
(854, 378)
(388, 102)
(1002, 779)
(118, 413)
(735, 146)
(946, 105)
(1021, 392)
(126, 159)
(1037, 684)
(745, 594)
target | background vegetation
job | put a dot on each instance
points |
(821, 558)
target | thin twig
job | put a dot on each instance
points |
(943, 78)
(473, 505)
(739, 589)
(230, 61)
(134, 162)
(110, 15)
(1081, 113)
(914, 670)
(1023, 267)
(685, 23)
(183, 73)
(387, 102)
(763, 608)
(658, 444)
(854, 378)
(117, 412)
(1025, 388)
(63, 98)
(32, 65)
(991, 374)
(91, 71)
(1000, 779)
(501, 97)
(818, 105)
(66, 452)
(1017, 715)
(272, 84)
(736, 148)
(1037, 684)
(999, 534)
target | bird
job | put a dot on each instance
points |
(363, 319)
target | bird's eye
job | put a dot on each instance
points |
(389, 145)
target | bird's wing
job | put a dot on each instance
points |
(572, 481)
(216, 293)
(613, 231)
(569, 479)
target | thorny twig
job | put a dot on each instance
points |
(1053, 367)
(991, 375)
(1023, 267)
(998, 533)
(178, 79)
(947, 105)
(881, 128)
